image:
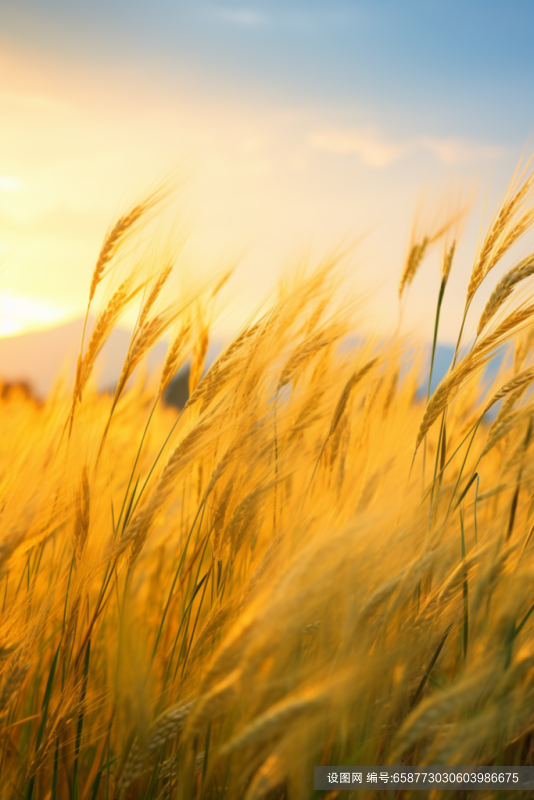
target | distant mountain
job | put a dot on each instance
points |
(177, 392)
(38, 358)
(443, 360)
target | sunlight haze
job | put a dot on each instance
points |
(293, 127)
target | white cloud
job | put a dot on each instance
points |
(372, 148)
(285, 15)
(454, 151)
(247, 17)
(375, 150)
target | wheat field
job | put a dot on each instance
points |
(313, 562)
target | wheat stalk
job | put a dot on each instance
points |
(82, 519)
(139, 528)
(439, 707)
(16, 673)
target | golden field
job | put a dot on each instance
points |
(308, 564)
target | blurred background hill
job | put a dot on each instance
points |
(36, 359)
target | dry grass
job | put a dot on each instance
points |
(206, 604)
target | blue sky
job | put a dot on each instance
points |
(457, 65)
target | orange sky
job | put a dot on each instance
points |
(266, 180)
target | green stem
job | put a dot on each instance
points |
(136, 461)
(465, 591)
(176, 574)
(162, 448)
(79, 726)
(435, 339)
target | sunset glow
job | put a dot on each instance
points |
(21, 314)
(275, 157)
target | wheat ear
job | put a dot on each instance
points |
(270, 775)
(305, 351)
(475, 359)
(165, 727)
(198, 359)
(120, 230)
(277, 718)
(176, 355)
(146, 337)
(222, 370)
(413, 262)
(122, 298)
(520, 381)
(82, 518)
(215, 702)
(354, 379)
(504, 289)
(430, 711)
(12, 683)
(498, 239)
(507, 424)
(155, 292)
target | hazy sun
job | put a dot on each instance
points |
(21, 313)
